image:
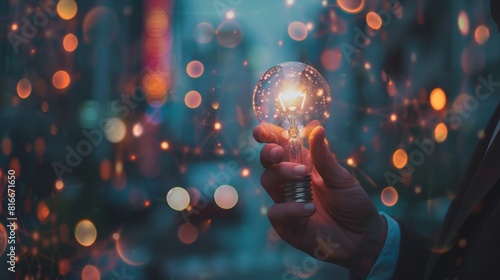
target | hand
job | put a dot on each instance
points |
(341, 212)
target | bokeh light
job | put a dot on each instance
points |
(229, 34)
(157, 22)
(42, 212)
(226, 196)
(440, 132)
(61, 79)
(23, 88)
(6, 146)
(463, 23)
(164, 145)
(438, 99)
(90, 272)
(351, 6)
(64, 266)
(331, 59)
(399, 158)
(137, 129)
(178, 198)
(70, 42)
(67, 9)
(85, 233)
(203, 33)
(217, 126)
(297, 31)
(373, 20)
(187, 233)
(389, 196)
(115, 130)
(3, 239)
(194, 69)
(192, 99)
(482, 34)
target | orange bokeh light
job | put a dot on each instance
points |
(297, 31)
(389, 196)
(192, 99)
(67, 9)
(23, 88)
(187, 233)
(194, 69)
(400, 158)
(351, 6)
(217, 126)
(440, 132)
(70, 42)
(90, 272)
(61, 79)
(373, 20)
(438, 99)
(164, 145)
(482, 34)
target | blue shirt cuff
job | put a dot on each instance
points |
(386, 263)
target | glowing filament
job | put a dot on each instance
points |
(291, 99)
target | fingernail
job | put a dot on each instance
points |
(309, 207)
(299, 170)
(274, 154)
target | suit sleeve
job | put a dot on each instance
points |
(414, 251)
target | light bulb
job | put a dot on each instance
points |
(290, 100)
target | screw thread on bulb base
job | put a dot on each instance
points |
(298, 191)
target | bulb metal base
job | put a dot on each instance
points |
(298, 191)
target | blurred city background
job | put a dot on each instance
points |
(108, 106)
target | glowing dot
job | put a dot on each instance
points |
(187, 233)
(438, 99)
(64, 266)
(116, 236)
(115, 130)
(245, 172)
(23, 88)
(400, 158)
(482, 34)
(194, 69)
(310, 26)
(440, 132)
(463, 23)
(91, 272)
(394, 117)
(297, 31)
(389, 196)
(14, 27)
(164, 145)
(61, 79)
(351, 6)
(230, 14)
(70, 42)
(217, 126)
(59, 184)
(85, 233)
(178, 198)
(418, 189)
(215, 105)
(67, 9)
(331, 59)
(192, 99)
(43, 211)
(350, 162)
(226, 196)
(137, 129)
(6, 146)
(373, 20)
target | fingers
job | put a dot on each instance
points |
(285, 212)
(273, 178)
(332, 173)
(269, 133)
(271, 154)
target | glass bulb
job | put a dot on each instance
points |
(290, 100)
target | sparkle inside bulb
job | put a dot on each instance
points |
(292, 87)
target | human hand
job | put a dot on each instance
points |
(341, 212)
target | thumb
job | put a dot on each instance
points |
(333, 174)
